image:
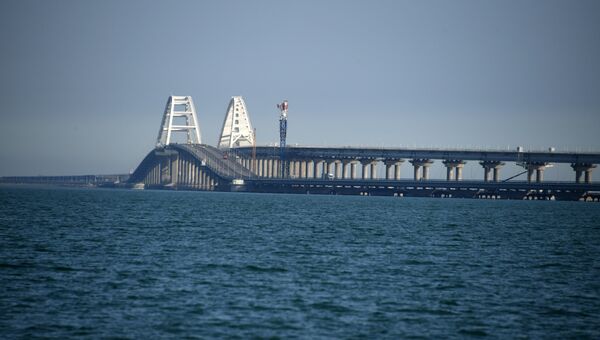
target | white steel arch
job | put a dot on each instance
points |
(237, 129)
(173, 109)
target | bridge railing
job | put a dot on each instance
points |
(220, 163)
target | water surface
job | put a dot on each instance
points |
(136, 264)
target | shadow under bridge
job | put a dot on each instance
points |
(188, 166)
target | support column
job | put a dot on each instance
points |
(268, 166)
(265, 167)
(538, 169)
(578, 174)
(426, 171)
(181, 179)
(489, 166)
(338, 169)
(583, 169)
(497, 173)
(486, 173)
(188, 180)
(459, 171)
(353, 169)
(421, 163)
(417, 174)
(174, 169)
(388, 168)
(397, 169)
(303, 170)
(274, 168)
(330, 167)
(316, 164)
(373, 169)
(454, 169)
(365, 166)
(310, 168)
(345, 163)
(194, 172)
(295, 168)
(449, 170)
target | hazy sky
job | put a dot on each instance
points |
(83, 84)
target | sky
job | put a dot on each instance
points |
(83, 84)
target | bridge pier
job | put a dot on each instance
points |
(272, 168)
(397, 169)
(204, 180)
(338, 169)
(308, 165)
(345, 163)
(488, 166)
(291, 168)
(190, 172)
(353, 169)
(301, 169)
(583, 168)
(174, 166)
(418, 164)
(365, 166)
(330, 167)
(267, 168)
(295, 166)
(454, 169)
(538, 169)
(259, 167)
(317, 163)
(369, 164)
(388, 168)
(373, 169)
(194, 174)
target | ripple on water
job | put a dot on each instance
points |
(112, 263)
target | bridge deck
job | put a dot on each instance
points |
(424, 153)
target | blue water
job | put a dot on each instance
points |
(100, 263)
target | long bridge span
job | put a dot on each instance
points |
(239, 165)
(331, 171)
(344, 162)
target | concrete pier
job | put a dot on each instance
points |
(583, 168)
(392, 169)
(353, 169)
(454, 169)
(365, 165)
(489, 166)
(373, 171)
(423, 164)
(536, 168)
(345, 163)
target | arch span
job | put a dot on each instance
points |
(188, 166)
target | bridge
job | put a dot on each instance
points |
(239, 165)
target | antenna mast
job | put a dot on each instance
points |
(283, 109)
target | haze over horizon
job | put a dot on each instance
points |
(84, 84)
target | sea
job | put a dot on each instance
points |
(114, 263)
